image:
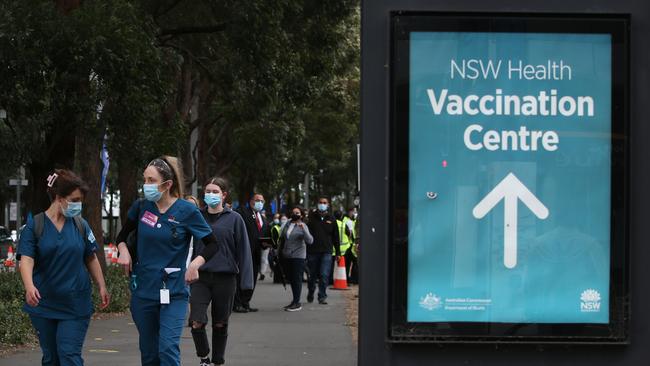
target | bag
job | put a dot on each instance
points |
(132, 238)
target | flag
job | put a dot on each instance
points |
(104, 157)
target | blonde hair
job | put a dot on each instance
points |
(169, 167)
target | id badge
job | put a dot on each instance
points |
(164, 296)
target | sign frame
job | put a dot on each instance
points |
(399, 329)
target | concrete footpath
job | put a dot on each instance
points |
(315, 336)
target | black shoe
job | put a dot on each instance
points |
(288, 306)
(294, 307)
(310, 298)
(251, 310)
(322, 302)
(205, 362)
(262, 277)
(240, 309)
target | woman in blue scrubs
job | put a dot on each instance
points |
(56, 258)
(165, 223)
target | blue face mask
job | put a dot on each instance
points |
(74, 209)
(259, 205)
(212, 199)
(322, 206)
(151, 192)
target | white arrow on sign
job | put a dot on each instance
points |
(510, 189)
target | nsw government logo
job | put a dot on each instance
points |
(590, 301)
(430, 301)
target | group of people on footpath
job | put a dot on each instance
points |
(177, 253)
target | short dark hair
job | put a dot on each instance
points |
(62, 182)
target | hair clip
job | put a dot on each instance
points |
(51, 179)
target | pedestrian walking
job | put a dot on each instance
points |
(57, 252)
(218, 277)
(258, 237)
(294, 239)
(163, 224)
(323, 228)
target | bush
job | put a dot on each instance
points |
(117, 285)
(16, 326)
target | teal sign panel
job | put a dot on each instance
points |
(509, 177)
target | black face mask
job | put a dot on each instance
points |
(295, 217)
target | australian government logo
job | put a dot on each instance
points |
(590, 301)
(431, 301)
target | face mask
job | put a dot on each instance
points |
(259, 205)
(151, 192)
(283, 221)
(276, 221)
(74, 209)
(212, 199)
(322, 206)
(295, 217)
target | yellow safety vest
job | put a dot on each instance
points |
(343, 237)
(275, 229)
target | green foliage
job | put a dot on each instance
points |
(16, 326)
(117, 285)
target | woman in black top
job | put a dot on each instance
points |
(218, 277)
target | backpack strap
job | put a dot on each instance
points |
(39, 222)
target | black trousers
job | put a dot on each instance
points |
(243, 297)
(218, 291)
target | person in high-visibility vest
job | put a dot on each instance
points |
(346, 236)
(351, 262)
(274, 261)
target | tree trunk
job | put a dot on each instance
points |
(89, 147)
(127, 181)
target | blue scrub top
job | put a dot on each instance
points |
(164, 242)
(60, 273)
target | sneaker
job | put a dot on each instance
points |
(251, 310)
(288, 306)
(310, 298)
(205, 362)
(240, 309)
(294, 307)
(322, 302)
(262, 277)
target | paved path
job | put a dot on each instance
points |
(315, 336)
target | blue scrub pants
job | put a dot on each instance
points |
(160, 328)
(61, 340)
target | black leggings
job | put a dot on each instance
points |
(218, 289)
(295, 268)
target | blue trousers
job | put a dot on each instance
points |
(61, 340)
(319, 265)
(160, 328)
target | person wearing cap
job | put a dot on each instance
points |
(56, 257)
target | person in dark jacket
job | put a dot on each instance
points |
(324, 229)
(258, 236)
(219, 277)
